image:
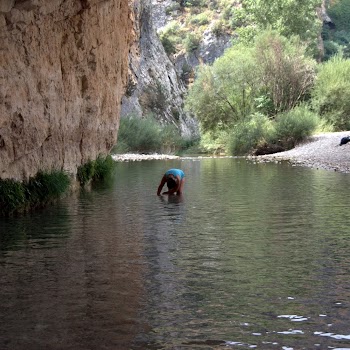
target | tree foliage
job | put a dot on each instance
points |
(224, 93)
(337, 37)
(331, 93)
(339, 11)
(288, 17)
(271, 77)
(287, 72)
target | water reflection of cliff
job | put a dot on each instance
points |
(73, 281)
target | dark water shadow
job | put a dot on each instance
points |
(45, 227)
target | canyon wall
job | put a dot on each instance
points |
(154, 87)
(63, 70)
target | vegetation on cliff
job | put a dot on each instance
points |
(243, 19)
(95, 170)
(246, 18)
(267, 92)
(336, 35)
(47, 186)
(38, 191)
(270, 90)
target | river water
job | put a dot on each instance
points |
(251, 256)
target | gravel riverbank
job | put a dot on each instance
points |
(319, 151)
(132, 157)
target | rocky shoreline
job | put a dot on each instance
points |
(132, 157)
(322, 151)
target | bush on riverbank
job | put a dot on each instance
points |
(331, 93)
(16, 196)
(256, 94)
(295, 125)
(146, 135)
(250, 134)
(270, 76)
(260, 134)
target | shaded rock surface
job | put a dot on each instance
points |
(62, 76)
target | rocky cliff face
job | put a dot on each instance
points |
(211, 45)
(63, 69)
(157, 83)
(154, 86)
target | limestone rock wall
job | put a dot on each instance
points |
(154, 87)
(211, 45)
(63, 70)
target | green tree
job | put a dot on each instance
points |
(288, 17)
(271, 77)
(287, 73)
(339, 11)
(224, 92)
(337, 38)
(331, 93)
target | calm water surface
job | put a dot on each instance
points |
(251, 256)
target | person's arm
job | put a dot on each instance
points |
(162, 182)
(181, 187)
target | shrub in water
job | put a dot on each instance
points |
(46, 186)
(12, 196)
(16, 196)
(98, 169)
(86, 172)
(104, 167)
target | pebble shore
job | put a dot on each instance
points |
(320, 151)
(132, 157)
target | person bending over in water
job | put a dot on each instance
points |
(175, 179)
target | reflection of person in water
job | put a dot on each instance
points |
(175, 180)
